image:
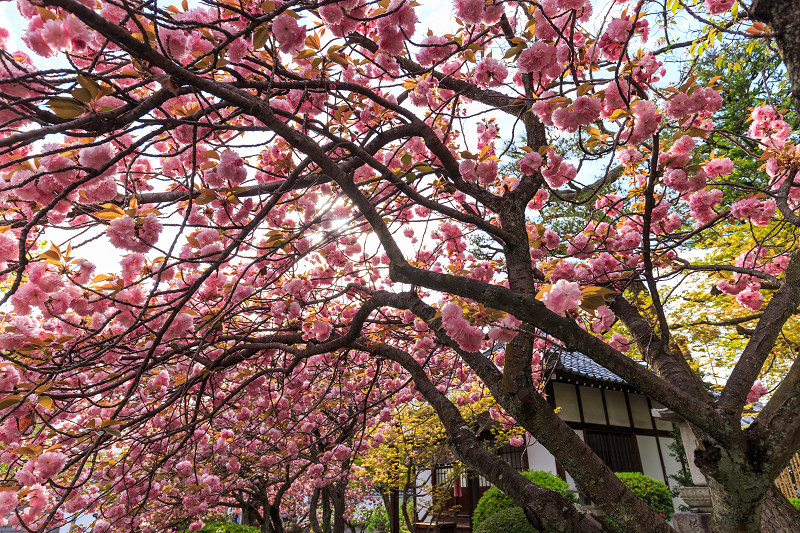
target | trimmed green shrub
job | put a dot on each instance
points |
(493, 500)
(509, 520)
(795, 502)
(651, 491)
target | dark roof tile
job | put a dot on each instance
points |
(578, 364)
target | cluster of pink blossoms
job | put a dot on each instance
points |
(434, 49)
(759, 212)
(557, 172)
(230, 170)
(396, 26)
(289, 34)
(756, 392)
(63, 34)
(490, 72)
(703, 101)
(542, 58)
(459, 329)
(563, 296)
(717, 7)
(529, 163)
(769, 127)
(582, 112)
(477, 11)
(136, 235)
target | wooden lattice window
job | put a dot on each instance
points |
(618, 450)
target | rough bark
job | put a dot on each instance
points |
(778, 514)
(338, 505)
(312, 512)
(783, 16)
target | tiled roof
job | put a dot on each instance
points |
(578, 364)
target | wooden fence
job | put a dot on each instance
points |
(789, 480)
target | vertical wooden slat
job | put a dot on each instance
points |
(787, 481)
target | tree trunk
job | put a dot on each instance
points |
(251, 516)
(275, 518)
(734, 509)
(338, 500)
(312, 511)
(778, 514)
(326, 509)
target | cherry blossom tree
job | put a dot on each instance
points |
(235, 241)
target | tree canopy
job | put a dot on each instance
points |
(241, 238)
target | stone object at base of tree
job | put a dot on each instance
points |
(697, 498)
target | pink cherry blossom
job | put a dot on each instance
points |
(605, 318)
(718, 167)
(701, 204)
(459, 329)
(563, 296)
(8, 501)
(184, 468)
(583, 111)
(756, 392)
(434, 49)
(49, 464)
(539, 58)
(769, 127)
(530, 162)
(620, 342)
(751, 299)
(717, 7)
(506, 332)
(756, 211)
(290, 35)
(490, 72)
(516, 441)
(134, 235)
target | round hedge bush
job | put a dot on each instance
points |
(493, 500)
(651, 491)
(509, 520)
(795, 502)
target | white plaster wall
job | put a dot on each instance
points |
(592, 404)
(539, 458)
(424, 500)
(617, 409)
(569, 479)
(640, 411)
(672, 467)
(648, 451)
(566, 398)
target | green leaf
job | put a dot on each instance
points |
(66, 107)
(82, 94)
(260, 37)
(90, 86)
(11, 399)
